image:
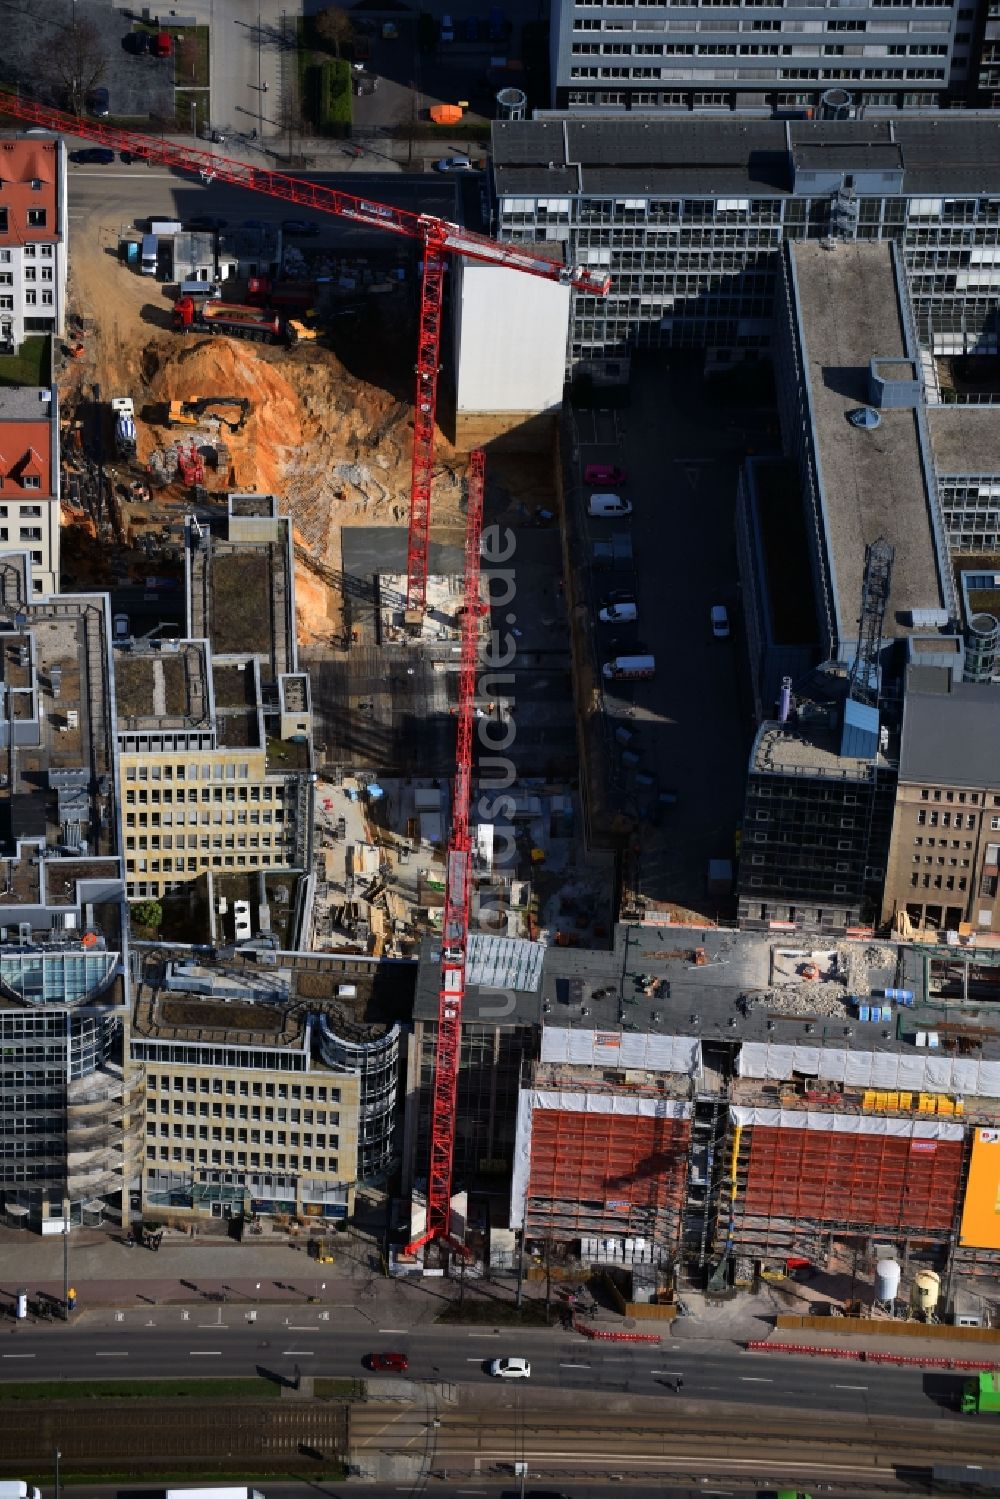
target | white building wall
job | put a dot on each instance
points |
(511, 332)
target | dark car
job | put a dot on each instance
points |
(136, 42)
(99, 102)
(303, 228)
(204, 223)
(127, 158)
(101, 156)
(388, 1363)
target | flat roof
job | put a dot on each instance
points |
(26, 403)
(965, 439)
(713, 155)
(950, 731)
(163, 685)
(809, 747)
(873, 481)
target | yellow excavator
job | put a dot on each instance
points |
(189, 413)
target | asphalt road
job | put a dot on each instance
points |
(164, 1342)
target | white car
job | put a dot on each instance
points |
(454, 164)
(619, 612)
(608, 504)
(510, 1368)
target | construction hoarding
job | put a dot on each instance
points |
(981, 1208)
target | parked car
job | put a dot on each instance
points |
(127, 158)
(136, 42)
(98, 156)
(621, 613)
(454, 164)
(121, 626)
(720, 622)
(608, 505)
(303, 228)
(162, 44)
(99, 102)
(603, 473)
(510, 1368)
(388, 1363)
(447, 29)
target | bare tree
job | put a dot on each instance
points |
(333, 27)
(71, 62)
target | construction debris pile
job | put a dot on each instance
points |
(822, 983)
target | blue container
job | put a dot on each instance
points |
(876, 1013)
(863, 1012)
(902, 996)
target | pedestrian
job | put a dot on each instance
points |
(265, 85)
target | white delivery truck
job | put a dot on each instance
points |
(13, 1488)
(220, 1493)
(630, 669)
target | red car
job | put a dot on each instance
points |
(388, 1363)
(603, 473)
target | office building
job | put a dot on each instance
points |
(69, 1105)
(649, 56)
(270, 1082)
(29, 480)
(215, 731)
(688, 217)
(33, 247)
(945, 851)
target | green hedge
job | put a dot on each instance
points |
(333, 96)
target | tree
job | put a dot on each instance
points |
(71, 62)
(333, 27)
(147, 913)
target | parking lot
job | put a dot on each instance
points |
(138, 86)
(685, 733)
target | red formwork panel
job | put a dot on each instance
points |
(608, 1158)
(849, 1180)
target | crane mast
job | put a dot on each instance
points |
(455, 925)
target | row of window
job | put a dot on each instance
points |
(203, 818)
(208, 770)
(31, 300)
(825, 74)
(232, 1136)
(35, 218)
(139, 864)
(271, 791)
(241, 1158)
(743, 49)
(30, 252)
(259, 1113)
(937, 882)
(590, 23)
(167, 841)
(184, 1082)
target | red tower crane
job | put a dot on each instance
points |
(438, 237)
(458, 877)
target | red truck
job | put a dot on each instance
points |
(231, 318)
(285, 296)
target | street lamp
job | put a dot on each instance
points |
(57, 1454)
(194, 118)
(65, 1239)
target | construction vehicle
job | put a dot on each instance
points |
(188, 413)
(981, 1394)
(123, 413)
(231, 318)
(190, 464)
(281, 296)
(298, 332)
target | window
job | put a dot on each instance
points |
(36, 218)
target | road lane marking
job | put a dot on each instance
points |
(18, 1355)
(111, 1355)
(394, 1329)
(308, 1327)
(574, 1366)
(754, 1379)
(204, 1352)
(850, 1387)
(215, 1326)
(298, 1353)
(473, 1360)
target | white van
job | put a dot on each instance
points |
(149, 254)
(608, 504)
(11, 1488)
(620, 612)
(165, 226)
(629, 668)
(207, 289)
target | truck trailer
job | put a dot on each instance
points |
(234, 319)
(981, 1394)
(210, 1493)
